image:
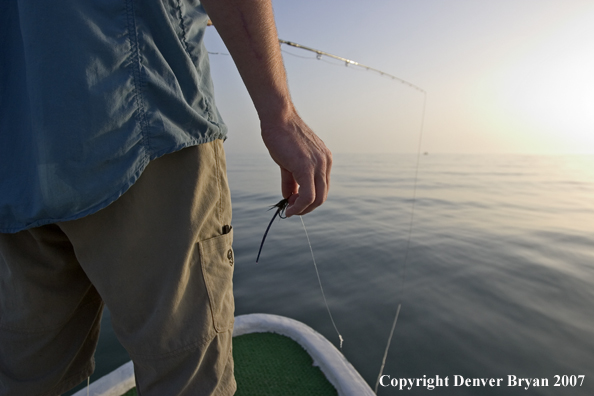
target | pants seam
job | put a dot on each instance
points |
(219, 181)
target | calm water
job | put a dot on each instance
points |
(499, 278)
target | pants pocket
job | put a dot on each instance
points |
(217, 261)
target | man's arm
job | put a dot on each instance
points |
(247, 27)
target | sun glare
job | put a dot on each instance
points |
(543, 96)
(555, 97)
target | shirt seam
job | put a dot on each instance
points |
(180, 16)
(136, 64)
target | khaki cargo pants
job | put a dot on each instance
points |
(160, 257)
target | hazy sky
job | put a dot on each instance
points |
(505, 76)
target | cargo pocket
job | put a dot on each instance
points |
(217, 261)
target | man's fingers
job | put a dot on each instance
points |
(303, 199)
(328, 169)
(321, 192)
(312, 194)
(288, 184)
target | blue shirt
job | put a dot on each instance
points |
(90, 92)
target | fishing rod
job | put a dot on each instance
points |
(348, 62)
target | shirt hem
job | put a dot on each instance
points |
(121, 191)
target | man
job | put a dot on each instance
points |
(113, 186)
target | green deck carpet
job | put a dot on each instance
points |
(268, 364)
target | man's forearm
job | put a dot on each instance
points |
(248, 29)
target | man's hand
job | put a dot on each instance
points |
(304, 160)
(247, 27)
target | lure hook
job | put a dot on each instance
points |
(281, 206)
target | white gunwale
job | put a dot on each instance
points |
(338, 370)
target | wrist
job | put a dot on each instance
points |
(275, 113)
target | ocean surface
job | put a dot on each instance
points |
(498, 280)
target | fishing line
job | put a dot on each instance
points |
(281, 206)
(298, 56)
(407, 250)
(387, 348)
(320, 282)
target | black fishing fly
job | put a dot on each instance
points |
(280, 212)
